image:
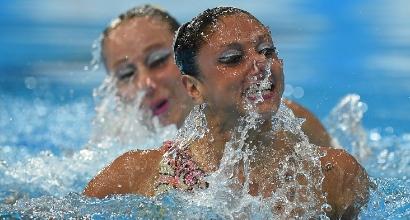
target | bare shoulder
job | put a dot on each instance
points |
(341, 159)
(132, 172)
(297, 108)
(312, 127)
(346, 183)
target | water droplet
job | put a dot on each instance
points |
(326, 207)
(389, 130)
(298, 92)
(328, 166)
(3, 163)
(30, 82)
(375, 136)
(363, 106)
(288, 90)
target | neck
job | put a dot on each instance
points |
(209, 150)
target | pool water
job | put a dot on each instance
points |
(46, 182)
(347, 62)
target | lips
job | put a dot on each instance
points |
(160, 107)
(256, 90)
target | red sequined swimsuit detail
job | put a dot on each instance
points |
(178, 170)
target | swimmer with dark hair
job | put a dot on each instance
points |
(229, 63)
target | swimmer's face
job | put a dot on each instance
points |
(237, 54)
(138, 53)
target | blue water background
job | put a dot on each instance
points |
(330, 49)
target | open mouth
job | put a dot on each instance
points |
(260, 91)
(160, 107)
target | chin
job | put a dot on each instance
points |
(269, 108)
(164, 121)
(266, 111)
(168, 118)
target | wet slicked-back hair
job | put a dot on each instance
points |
(190, 37)
(143, 11)
(140, 11)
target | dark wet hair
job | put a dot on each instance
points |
(190, 36)
(140, 11)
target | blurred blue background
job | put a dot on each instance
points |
(330, 49)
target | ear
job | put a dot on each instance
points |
(193, 87)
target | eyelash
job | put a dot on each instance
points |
(129, 72)
(268, 51)
(234, 59)
(231, 59)
(159, 61)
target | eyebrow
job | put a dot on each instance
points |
(232, 45)
(153, 47)
(149, 49)
(262, 38)
(156, 49)
(257, 40)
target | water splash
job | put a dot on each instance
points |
(383, 154)
(258, 86)
(391, 157)
(388, 200)
(74, 206)
(118, 127)
(41, 125)
(95, 62)
(30, 189)
(231, 199)
(229, 196)
(123, 123)
(345, 125)
(195, 127)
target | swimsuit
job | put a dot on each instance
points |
(177, 170)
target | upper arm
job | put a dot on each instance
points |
(132, 172)
(346, 183)
(312, 127)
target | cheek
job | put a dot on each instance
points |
(126, 91)
(277, 71)
(227, 91)
(169, 74)
(223, 84)
(231, 80)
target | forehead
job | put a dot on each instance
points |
(134, 37)
(138, 28)
(235, 27)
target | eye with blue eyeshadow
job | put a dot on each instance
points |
(125, 72)
(267, 49)
(157, 57)
(231, 56)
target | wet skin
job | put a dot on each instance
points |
(230, 62)
(346, 182)
(138, 53)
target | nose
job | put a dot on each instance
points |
(259, 64)
(145, 82)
